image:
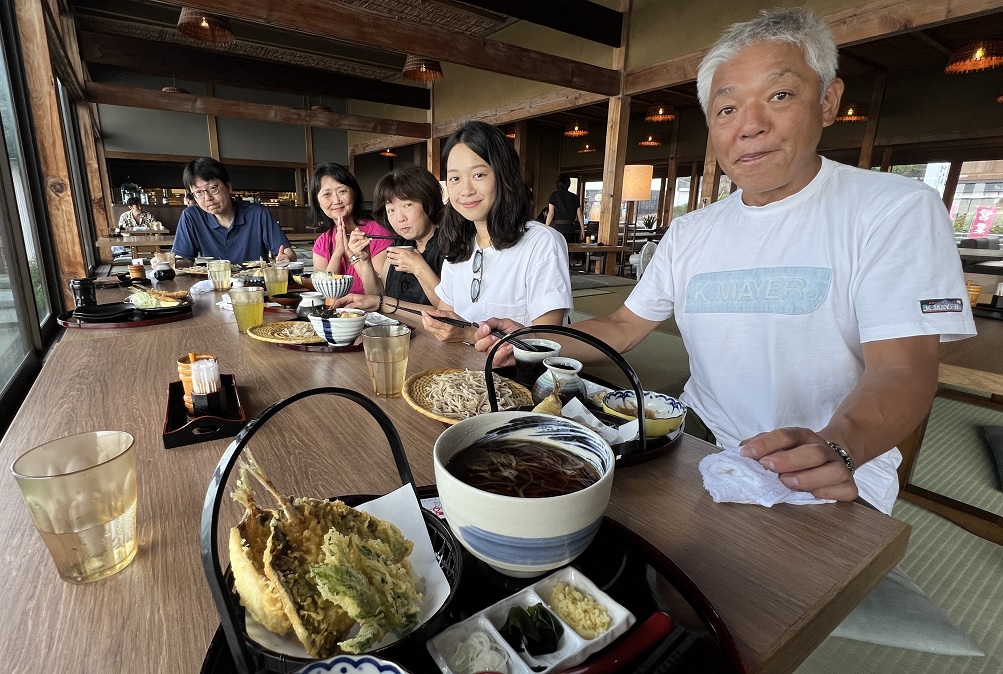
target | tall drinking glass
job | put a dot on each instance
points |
(386, 348)
(276, 280)
(219, 274)
(81, 492)
(248, 306)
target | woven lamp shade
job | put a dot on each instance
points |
(175, 90)
(660, 112)
(210, 28)
(388, 153)
(650, 140)
(852, 112)
(586, 148)
(420, 69)
(976, 56)
(577, 128)
(1000, 99)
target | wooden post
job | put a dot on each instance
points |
(92, 167)
(670, 189)
(694, 199)
(711, 176)
(873, 113)
(433, 150)
(953, 175)
(52, 158)
(886, 159)
(420, 157)
(213, 129)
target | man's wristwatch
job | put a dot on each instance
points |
(844, 455)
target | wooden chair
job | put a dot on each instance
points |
(980, 522)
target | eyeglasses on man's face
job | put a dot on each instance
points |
(210, 189)
(478, 268)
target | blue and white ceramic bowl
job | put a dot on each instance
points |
(523, 537)
(662, 414)
(352, 664)
(340, 331)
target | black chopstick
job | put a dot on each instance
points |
(525, 346)
(380, 236)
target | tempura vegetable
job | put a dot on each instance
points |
(291, 568)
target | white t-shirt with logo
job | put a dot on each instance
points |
(522, 282)
(774, 302)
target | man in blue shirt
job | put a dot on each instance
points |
(222, 227)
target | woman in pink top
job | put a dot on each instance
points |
(337, 209)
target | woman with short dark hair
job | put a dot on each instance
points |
(336, 207)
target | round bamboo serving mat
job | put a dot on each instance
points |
(273, 332)
(417, 392)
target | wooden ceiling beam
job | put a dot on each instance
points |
(580, 18)
(166, 60)
(110, 94)
(339, 22)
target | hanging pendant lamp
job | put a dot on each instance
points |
(976, 56)
(210, 28)
(420, 69)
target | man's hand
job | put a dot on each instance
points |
(804, 461)
(285, 255)
(485, 340)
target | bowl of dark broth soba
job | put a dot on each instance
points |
(523, 492)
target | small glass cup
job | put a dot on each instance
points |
(219, 274)
(248, 306)
(81, 492)
(386, 348)
(276, 280)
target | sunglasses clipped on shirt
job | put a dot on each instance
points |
(478, 269)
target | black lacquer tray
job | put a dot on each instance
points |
(620, 563)
(136, 319)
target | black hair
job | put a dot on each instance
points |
(204, 168)
(342, 175)
(512, 207)
(132, 201)
(189, 196)
(563, 181)
(409, 182)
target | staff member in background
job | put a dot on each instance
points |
(564, 211)
(223, 227)
(136, 217)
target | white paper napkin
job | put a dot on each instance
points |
(574, 409)
(201, 287)
(225, 304)
(733, 478)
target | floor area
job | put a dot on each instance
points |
(959, 571)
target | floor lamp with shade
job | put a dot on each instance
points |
(636, 187)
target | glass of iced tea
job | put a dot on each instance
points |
(248, 306)
(386, 348)
(81, 492)
(219, 274)
(276, 280)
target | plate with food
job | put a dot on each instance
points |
(343, 579)
(286, 332)
(452, 395)
(193, 271)
(553, 624)
(104, 312)
(160, 302)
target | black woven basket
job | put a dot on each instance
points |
(249, 657)
(624, 451)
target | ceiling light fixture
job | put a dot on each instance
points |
(976, 56)
(852, 112)
(210, 28)
(174, 88)
(650, 140)
(586, 148)
(1000, 99)
(420, 69)
(388, 153)
(660, 112)
(577, 128)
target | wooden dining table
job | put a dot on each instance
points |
(781, 578)
(609, 252)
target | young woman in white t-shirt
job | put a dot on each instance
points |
(498, 262)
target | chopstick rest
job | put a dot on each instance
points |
(730, 477)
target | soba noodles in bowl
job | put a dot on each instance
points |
(523, 492)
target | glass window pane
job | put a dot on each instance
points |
(593, 195)
(978, 200)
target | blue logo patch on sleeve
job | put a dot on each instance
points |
(942, 306)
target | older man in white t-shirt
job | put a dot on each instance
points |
(812, 301)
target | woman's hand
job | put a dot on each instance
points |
(407, 260)
(357, 301)
(443, 331)
(358, 245)
(340, 247)
(484, 340)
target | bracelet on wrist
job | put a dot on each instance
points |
(380, 305)
(844, 455)
(396, 306)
